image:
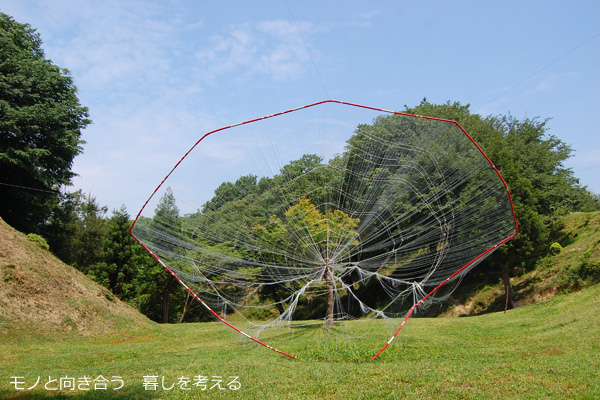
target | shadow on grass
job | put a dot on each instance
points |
(125, 393)
(318, 330)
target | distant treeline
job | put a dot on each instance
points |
(80, 232)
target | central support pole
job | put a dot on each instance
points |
(330, 293)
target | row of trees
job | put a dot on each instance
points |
(245, 213)
(41, 121)
(81, 233)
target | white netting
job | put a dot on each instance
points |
(328, 213)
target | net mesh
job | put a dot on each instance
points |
(331, 215)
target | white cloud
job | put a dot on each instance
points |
(115, 45)
(271, 49)
(364, 20)
(228, 53)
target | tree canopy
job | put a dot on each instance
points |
(326, 231)
(246, 211)
(40, 127)
(531, 162)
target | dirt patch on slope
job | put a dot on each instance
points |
(39, 291)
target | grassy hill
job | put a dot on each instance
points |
(55, 323)
(41, 295)
(573, 263)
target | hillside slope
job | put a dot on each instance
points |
(572, 264)
(40, 294)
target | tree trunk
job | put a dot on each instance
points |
(510, 303)
(186, 307)
(165, 304)
(330, 295)
(279, 308)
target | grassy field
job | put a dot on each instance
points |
(547, 350)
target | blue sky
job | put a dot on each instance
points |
(156, 75)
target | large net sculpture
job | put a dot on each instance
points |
(334, 216)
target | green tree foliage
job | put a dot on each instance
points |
(90, 229)
(161, 295)
(315, 235)
(228, 192)
(373, 151)
(313, 231)
(40, 127)
(532, 163)
(121, 265)
(60, 229)
(309, 175)
(76, 229)
(80, 235)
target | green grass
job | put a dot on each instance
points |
(543, 351)
(573, 263)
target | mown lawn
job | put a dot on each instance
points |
(545, 351)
